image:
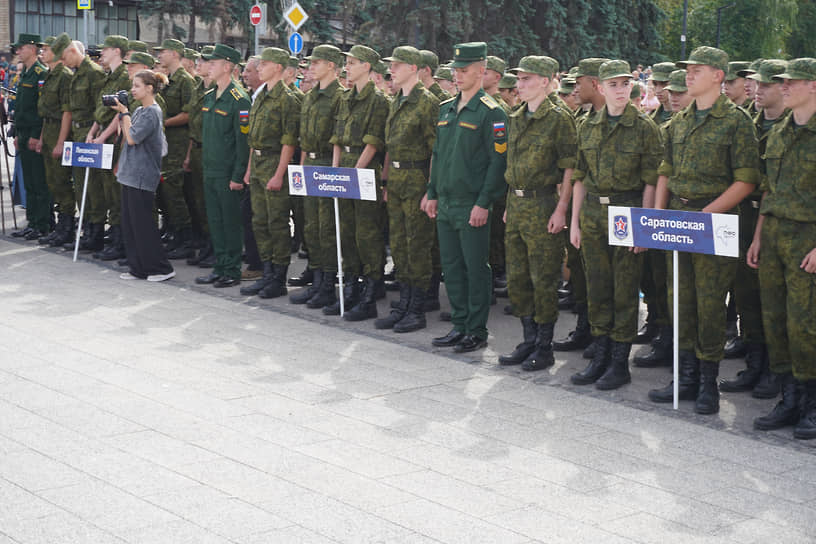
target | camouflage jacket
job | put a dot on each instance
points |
(274, 120)
(540, 147)
(620, 158)
(85, 86)
(55, 93)
(317, 113)
(410, 130)
(193, 108)
(177, 95)
(762, 133)
(703, 158)
(661, 115)
(115, 81)
(360, 119)
(440, 93)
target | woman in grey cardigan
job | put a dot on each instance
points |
(139, 172)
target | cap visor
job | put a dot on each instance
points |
(745, 73)
(675, 89)
(619, 74)
(465, 63)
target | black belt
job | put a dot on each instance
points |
(48, 120)
(319, 156)
(81, 124)
(549, 190)
(273, 150)
(197, 145)
(409, 165)
(614, 198)
(694, 202)
(751, 202)
(352, 149)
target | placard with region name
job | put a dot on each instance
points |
(87, 155)
(327, 181)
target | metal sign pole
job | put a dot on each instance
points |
(339, 253)
(676, 326)
(81, 213)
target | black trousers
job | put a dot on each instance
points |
(143, 247)
(253, 258)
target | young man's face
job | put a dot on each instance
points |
(320, 69)
(532, 86)
(700, 79)
(267, 70)
(679, 101)
(616, 91)
(400, 73)
(735, 90)
(585, 87)
(469, 78)
(660, 91)
(769, 95)
(797, 92)
(357, 70)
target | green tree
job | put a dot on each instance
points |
(801, 42)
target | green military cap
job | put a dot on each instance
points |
(276, 55)
(735, 68)
(223, 51)
(364, 54)
(573, 72)
(751, 69)
(172, 45)
(636, 90)
(707, 56)
(407, 54)
(538, 65)
(26, 39)
(508, 81)
(589, 67)
(465, 54)
(137, 45)
(662, 70)
(677, 82)
(292, 62)
(614, 68)
(496, 64)
(242, 64)
(207, 50)
(768, 69)
(49, 40)
(60, 44)
(191, 54)
(327, 52)
(116, 42)
(429, 59)
(380, 68)
(803, 68)
(567, 86)
(444, 72)
(141, 58)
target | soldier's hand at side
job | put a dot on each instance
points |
(57, 151)
(89, 139)
(478, 217)
(246, 177)
(575, 237)
(385, 195)
(236, 186)
(638, 250)
(275, 183)
(504, 217)
(752, 257)
(186, 164)
(809, 262)
(557, 222)
(430, 208)
(99, 141)
(424, 202)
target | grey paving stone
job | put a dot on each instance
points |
(535, 522)
(754, 504)
(347, 524)
(20, 504)
(175, 532)
(755, 531)
(288, 535)
(160, 448)
(649, 529)
(358, 459)
(60, 527)
(275, 430)
(456, 464)
(35, 472)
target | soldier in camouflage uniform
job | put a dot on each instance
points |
(295, 202)
(85, 85)
(751, 84)
(734, 86)
(566, 91)
(410, 132)
(274, 123)
(785, 251)
(756, 376)
(177, 95)
(710, 164)
(188, 62)
(136, 46)
(508, 90)
(429, 66)
(317, 113)
(54, 106)
(619, 152)
(443, 77)
(359, 140)
(541, 144)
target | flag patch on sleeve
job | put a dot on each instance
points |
(499, 130)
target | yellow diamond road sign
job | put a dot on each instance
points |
(295, 16)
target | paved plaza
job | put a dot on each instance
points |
(172, 413)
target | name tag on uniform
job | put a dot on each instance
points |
(471, 126)
(221, 112)
(205, 108)
(441, 123)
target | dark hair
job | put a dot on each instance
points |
(157, 80)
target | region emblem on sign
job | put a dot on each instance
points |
(297, 180)
(621, 227)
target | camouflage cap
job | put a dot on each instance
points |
(364, 54)
(636, 90)
(802, 68)
(768, 69)
(223, 52)
(677, 82)
(508, 81)
(496, 64)
(141, 58)
(137, 45)
(538, 65)
(735, 68)
(28, 39)
(292, 62)
(380, 68)
(191, 54)
(589, 67)
(573, 72)
(567, 85)
(116, 42)
(614, 68)
(207, 50)
(172, 45)
(662, 70)
(328, 53)
(407, 54)
(429, 60)
(752, 68)
(49, 40)
(465, 54)
(706, 56)
(60, 44)
(274, 54)
(444, 72)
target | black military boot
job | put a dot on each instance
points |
(205, 251)
(366, 307)
(45, 240)
(95, 240)
(85, 232)
(529, 330)
(351, 296)
(431, 303)
(116, 247)
(689, 380)
(768, 386)
(747, 379)
(647, 332)
(735, 348)
(617, 373)
(325, 293)
(589, 352)
(786, 412)
(708, 396)
(304, 295)
(660, 353)
(580, 337)
(805, 428)
(65, 230)
(277, 285)
(260, 283)
(598, 365)
(184, 245)
(306, 277)
(543, 356)
(398, 310)
(414, 318)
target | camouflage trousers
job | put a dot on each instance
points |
(746, 286)
(318, 230)
(653, 285)
(270, 211)
(497, 249)
(411, 232)
(575, 264)
(57, 177)
(361, 230)
(612, 277)
(533, 257)
(788, 296)
(172, 190)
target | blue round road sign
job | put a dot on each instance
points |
(295, 43)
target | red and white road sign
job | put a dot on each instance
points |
(255, 15)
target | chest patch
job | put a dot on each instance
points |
(220, 112)
(464, 124)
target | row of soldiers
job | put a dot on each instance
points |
(528, 178)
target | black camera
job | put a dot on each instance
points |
(121, 96)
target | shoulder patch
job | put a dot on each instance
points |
(489, 102)
(38, 70)
(236, 94)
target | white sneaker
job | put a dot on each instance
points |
(127, 276)
(162, 277)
